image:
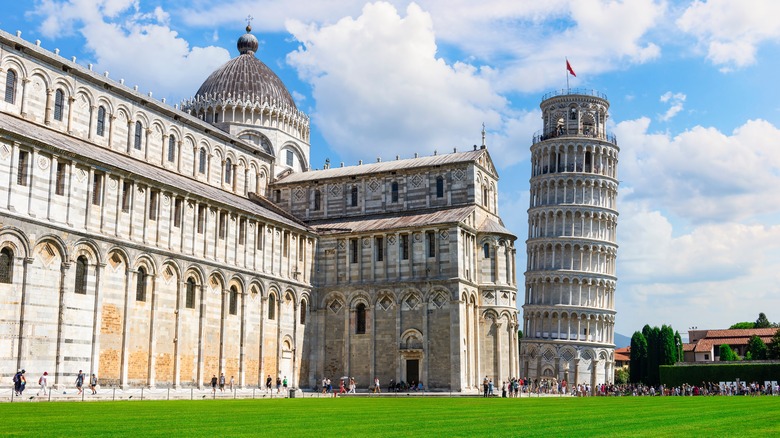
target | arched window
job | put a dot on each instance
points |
(439, 187)
(101, 120)
(202, 161)
(140, 285)
(317, 198)
(354, 196)
(171, 148)
(304, 309)
(360, 319)
(6, 265)
(59, 104)
(228, 170)
(394, 192)
(190, 298)
(139, 132)
(233, 308)
(81, 275)
(486, 250)
(484, 196)
(10, 86)
(271, 307)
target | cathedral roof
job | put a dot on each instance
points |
(494, 226)
(20, 128)
(384, 166)
(246, 78)
(382, 222)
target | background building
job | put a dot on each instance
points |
(569, 310)
(157, 245)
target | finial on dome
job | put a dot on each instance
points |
(247, 43)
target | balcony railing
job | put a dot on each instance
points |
(574, 91)
(543, 135)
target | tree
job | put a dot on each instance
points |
(519, 339)
(756, 348)
(679, 344)
(621, 376)
(743, 325)
(667, 351)
(773, 349)
(727, 354)
(638, 359)
(653, 356)
(762, 321)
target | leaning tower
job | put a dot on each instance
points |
(569, 310)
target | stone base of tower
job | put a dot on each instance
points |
(575, 364)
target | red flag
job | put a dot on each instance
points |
(571, 70)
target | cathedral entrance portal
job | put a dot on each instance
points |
(412, 370)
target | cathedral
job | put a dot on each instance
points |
(156, 245)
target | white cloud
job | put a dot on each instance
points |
(119, 34)
(676, 101)
(703, 175)
(732, 31)
(379, 86)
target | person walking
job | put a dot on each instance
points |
(222, 382)
(213, 383)
(22, 382)
(17, 382)
(352, 385)
(284, 384)
(80, 381)
(268, 382)
(232, 383)
(42, 381)
(93, 384)
(485, 387)
(377, 388)
(278, 384)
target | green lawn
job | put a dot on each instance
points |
(433, 416)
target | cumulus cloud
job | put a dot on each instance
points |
(676, 101)
(732, 31)
(702, 174)
(379, 86)
(119, 34)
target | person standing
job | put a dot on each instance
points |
(232, 383)
(213, 383)
(222, 382)
(17, 381)
(80, 381)
(93, 384)
(268, 382)
(352, 385)
(22, 382)
(377, 389)
(284, 383)
(278, 384)
(42, 381)
(485, 387)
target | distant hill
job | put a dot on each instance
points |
(622, 341)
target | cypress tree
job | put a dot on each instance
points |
(757, 348)
(638, 358)
(679, 347)
(667, 350)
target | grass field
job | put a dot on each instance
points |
(553, 417)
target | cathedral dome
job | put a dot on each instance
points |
(246, 78)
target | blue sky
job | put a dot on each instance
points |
(692, 87)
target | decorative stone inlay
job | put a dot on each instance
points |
(167, 274)
(417, 237)
(113, 183)
(385, 303)
(549, 355)
(458, 175)
(166, 200)
(341, 244)
(47, 254)
(439, 300)
(299, 194)
(586, 355)
(366, 242)
(373, 185)
(416, 181)
(489, 296)
(567, 356)
(411, 302)
(43, 163)
(391, 240)
(444, 235)
(5, 152)
(81, 175)
(335, 306)
(335, 191)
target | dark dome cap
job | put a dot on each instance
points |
(247, 43)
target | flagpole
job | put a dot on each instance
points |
(567, 74)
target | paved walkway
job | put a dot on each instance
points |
(109, 394)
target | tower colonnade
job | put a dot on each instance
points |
(569, 310)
